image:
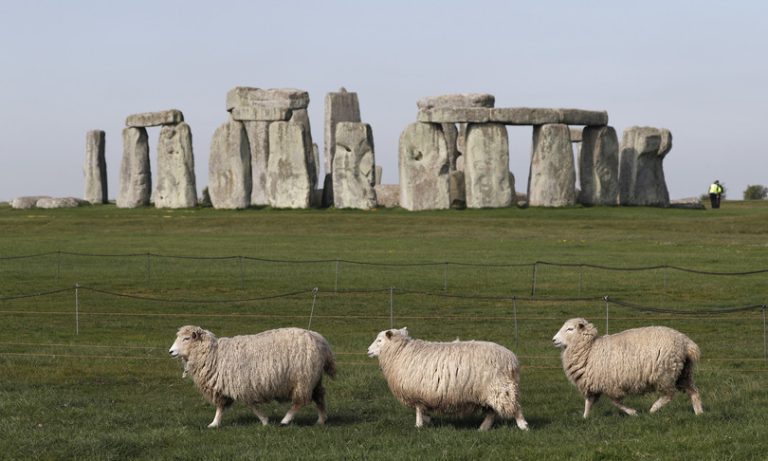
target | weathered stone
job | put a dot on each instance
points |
(59, 202)
(599, 166)
(458, 190)
(326, 199)
(688, 203)
(166, 117)
(95, 168)
(175, 186)
(135, 173)
(583, 117)
(260, 114)
(641, 172)
(229, 167)
(457, 100)
(301, 116)
(25, 203)
(451, 134)
(424, 168)
(379, 171)
(552, 176)
(353, 166)
(284, 98)
(455, 115)
(542, 116)
(340, 106)
(486, 166)
(524, 116)
(258, 140)
(387, 195)
(576, 134)
(288, 181)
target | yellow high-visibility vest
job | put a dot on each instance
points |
(715, 189)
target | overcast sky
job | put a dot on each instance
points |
(698, 68)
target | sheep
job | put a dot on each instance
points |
(633, 362)
(450, 377)
(285, 364)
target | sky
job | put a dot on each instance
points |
(698, 68)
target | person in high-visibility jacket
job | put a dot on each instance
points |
(715, 191)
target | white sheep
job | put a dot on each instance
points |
(285, 364)
(450, 377)
(632, 362)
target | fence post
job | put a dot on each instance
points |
(514, 316)
(765, 339)
(606, 314)
(533, 279)
(445, 276)
(149, 267)
(312, 311)
(77, 308)
(242, 275)
(391, 308)
(336, 280)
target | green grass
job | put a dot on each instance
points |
(109, 391)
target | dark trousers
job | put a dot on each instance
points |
(715, 199)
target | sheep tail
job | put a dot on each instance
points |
(329, 367)
(692, 351)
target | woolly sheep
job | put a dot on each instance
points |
(632, 362)
(285, 364)
(450, 377)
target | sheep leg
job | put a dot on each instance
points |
(318, 396)
(262, 417)
(217, 417)
(623, 407)
(490, 417)
(421, 416)
(291, 412)
(588, 402)
(693, 392)
(663, 400)
(521, 422)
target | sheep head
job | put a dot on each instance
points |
(385, 336)
(574, 331)
(187, 338)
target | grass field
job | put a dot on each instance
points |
(85, 374)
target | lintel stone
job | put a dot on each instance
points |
(165, 117)
(284, 98)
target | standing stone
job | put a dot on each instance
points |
(288, 181)
(354, 175)
(599, 166)
(458, 190)
(135, 174)
(486, 166)
(95, 168)
(301, 116)
(258, 139)
(341, 106)
(641, 173)
(552, 176)
(229, 167)
(424, 168)
(387, 195)
(176, 187)
(451, 138)
(379, 172)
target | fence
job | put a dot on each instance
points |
(302, 305)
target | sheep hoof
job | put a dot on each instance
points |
(213, 425)
(631, 412)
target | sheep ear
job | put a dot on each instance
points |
(580, 325)
(388, 334)
(404, 331)
(194, 335)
